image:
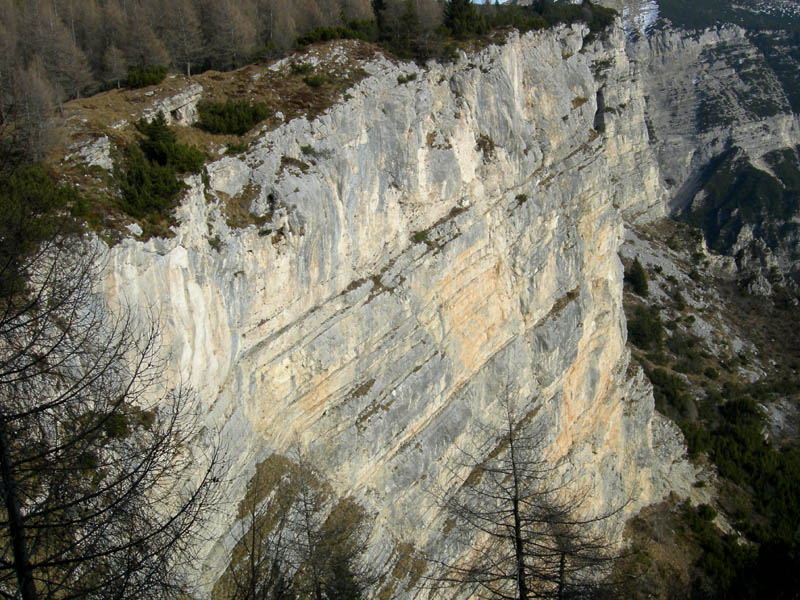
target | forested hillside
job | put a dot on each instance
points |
(51, 51)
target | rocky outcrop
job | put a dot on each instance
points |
(178, 109)
(708, 91)
(420, 246)
(96, 153)
(720, 117)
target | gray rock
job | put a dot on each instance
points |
(448, 237)
(180, 109)
(94, 153)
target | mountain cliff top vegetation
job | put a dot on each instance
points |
(136, 56)
(53, 51)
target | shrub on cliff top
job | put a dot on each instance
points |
(147, 175)
(354, 30)
(147, 188)
(230, 117)
(139, 77)
(160, 145)
(33, 209)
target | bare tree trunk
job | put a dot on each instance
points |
(519, 546)
(310, 533)
(533, 540)
(16, 526)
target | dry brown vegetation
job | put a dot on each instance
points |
(282, 90)
(280, 84)
(663, 552)
(298, 539)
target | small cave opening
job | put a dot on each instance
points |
(600, 115)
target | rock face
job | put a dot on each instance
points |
(708, 91)
(426, 244)
(722, 115)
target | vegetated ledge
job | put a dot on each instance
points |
(304, 84)
(283, 85)
(278, 83)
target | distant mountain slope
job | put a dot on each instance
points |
(723, 95)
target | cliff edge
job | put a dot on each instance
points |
(439, 233)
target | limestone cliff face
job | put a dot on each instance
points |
(717, 101)
(427, 243)
(708, 91)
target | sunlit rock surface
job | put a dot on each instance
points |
(427, 244)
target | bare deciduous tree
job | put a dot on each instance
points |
(102, 493)
(180, 28)
(523, 528)
(115, 66)
(297, 539)
(141, 44)
(259, 568)
(229, 29)
(79, 46)
(357, 9)
(28, 116)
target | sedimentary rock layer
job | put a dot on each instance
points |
(426, 244)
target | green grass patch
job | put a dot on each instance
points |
(302, 68)
(670, 393)
(236, 148)
(402, 79)
(419, 237)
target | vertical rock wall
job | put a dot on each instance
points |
(427, 243)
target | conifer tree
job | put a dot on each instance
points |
(379, 9)
(526, 517)
(461, 18)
